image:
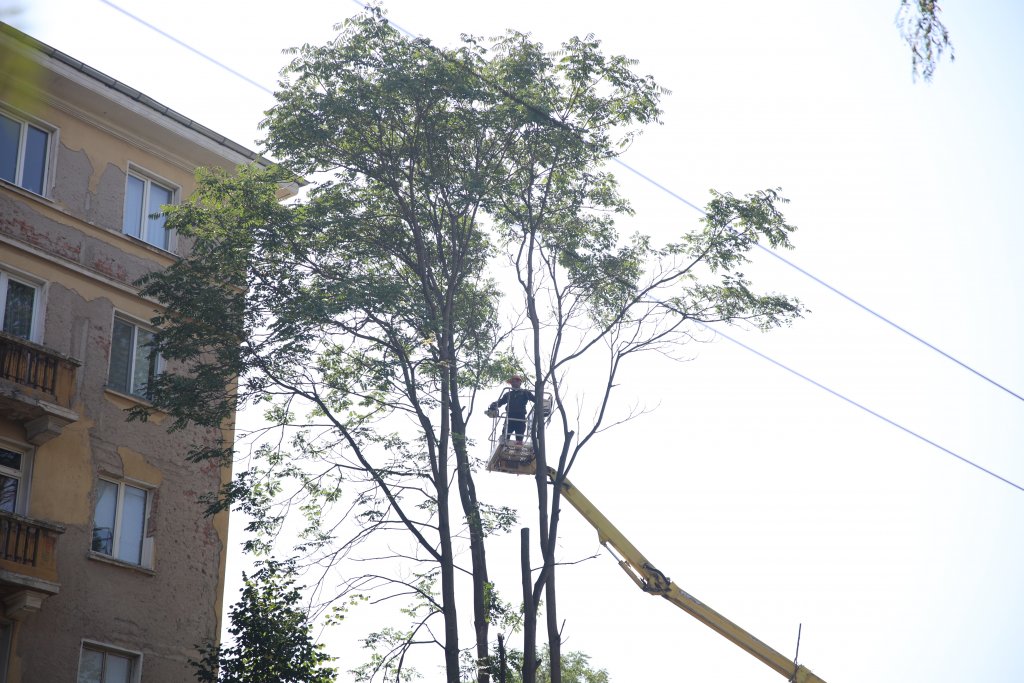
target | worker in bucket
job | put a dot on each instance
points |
(515, 398)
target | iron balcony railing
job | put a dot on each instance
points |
(28, 546)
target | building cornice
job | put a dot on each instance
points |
(132, 101)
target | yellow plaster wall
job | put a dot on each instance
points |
(62, 477)
(14, 668)
(134, 466)
(14, 431)
(124, 402)
(65, 468)
(102, 148)
(88, 288)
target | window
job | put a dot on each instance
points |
(143, 198)
(119, 526)
(133, 363)
(11, 489)
(105, 665)
(18, 305)
(23, 151)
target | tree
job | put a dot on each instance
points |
(367, 306)
(365, 317)
(575, 667)
(927, 37)
(589, 294)
(272, 641)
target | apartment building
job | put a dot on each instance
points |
(109, 571)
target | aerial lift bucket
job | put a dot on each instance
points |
(508, 454)
(512, 457)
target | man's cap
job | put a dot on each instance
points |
(515, 378)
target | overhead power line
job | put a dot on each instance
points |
(891, 323)
(633, 170)
(831, 288)
(690, 204)
(188, 47)
(861, 406)
(699, 209)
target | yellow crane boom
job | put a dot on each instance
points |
(652, 581)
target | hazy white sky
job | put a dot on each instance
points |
(769, 499)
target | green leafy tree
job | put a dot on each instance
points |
(591, 296)
(575, 667)
(365, 319)
(271, 636)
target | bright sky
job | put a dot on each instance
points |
(762, 495)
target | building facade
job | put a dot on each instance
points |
(109, 570)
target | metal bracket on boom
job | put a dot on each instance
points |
(517, 457)
(654, 582)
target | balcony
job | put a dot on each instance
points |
(28, 563)
(36, 387)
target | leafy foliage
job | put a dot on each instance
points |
(365, 318)
(927, 36)
(272, 641)
(591, 296)
(575, 668)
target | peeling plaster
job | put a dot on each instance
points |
(71, 187)
(72, 241)
(134, 466)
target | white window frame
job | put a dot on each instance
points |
(19, 162)
(105, 649)
(36, 326)
(146, 559)
(24, 475)
(130, 390)
(149, 179)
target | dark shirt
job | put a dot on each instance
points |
(516, 400)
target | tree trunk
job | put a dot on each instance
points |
(529, 610)
(547, 539)
(451, 624)
(502, 662)
(551, 612)
(471, 508)
(551, 598)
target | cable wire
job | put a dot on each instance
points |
(890, 322)
(645, 177)
(700, 210)
(188, 47)
(881, 417)
(830, 287)
(696, 208)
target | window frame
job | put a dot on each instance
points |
(49, 151)
(130, 390)
(36, 325)
(149, 179)
(146, 542)
(135, 676)
(23, 475)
